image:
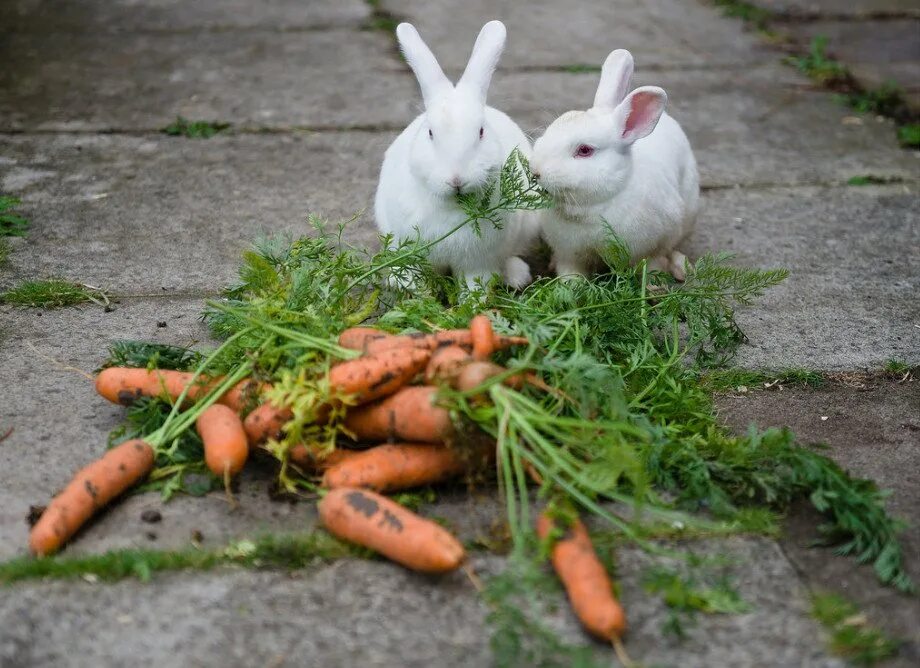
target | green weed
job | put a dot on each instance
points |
(886, 100)
(851, 636)
(751, 14)
(194, 129)
(870, 180)
(11, 223)
(722, 380)
(381, 19)
(896, 368)
(685, 597)
(579, 68)
(287, 552)
(52, 293)
(909, 135)
(817, 65)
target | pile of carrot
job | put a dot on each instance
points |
(389, 394)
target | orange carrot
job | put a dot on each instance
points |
(357, 338)
(585, 580)
(310, 458)
(125, 386)
(265, 422)
(122, 385)
(387, 468)
(407, 415)
(225, 445)
(482, 336)
(90, 490)
(374, 521)
(415, 340)
(446, 363)
(245, 394)
(475, 374)
(373, 376)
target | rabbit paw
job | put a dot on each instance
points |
(677, 262)
(517, 273)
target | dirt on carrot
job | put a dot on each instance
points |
(586, 582)
(91, 489)
(374, 521)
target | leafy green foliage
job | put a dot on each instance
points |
(194, 129)
(144, 355)
(886, 100)
(11, 223)
(685, 597)
(896, 367)
(817, 65)
(721, 380)
(52, 293)
(516, 598)
(851, 636)
(755, 16)
(274, 551)
(179, 467)
(909, 135)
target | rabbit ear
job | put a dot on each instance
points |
(616, 75)
(483, 60)
(430, 76)
(638, 114)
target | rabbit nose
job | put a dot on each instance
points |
(455, 183)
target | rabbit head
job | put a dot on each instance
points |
(584, 157)
(454, 150)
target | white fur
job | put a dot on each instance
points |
(421, 175)
(642, 178)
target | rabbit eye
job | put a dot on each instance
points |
(430, 134)
(481, 132)
(584, 151)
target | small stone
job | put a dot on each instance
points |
(161, 323)
(151, 516)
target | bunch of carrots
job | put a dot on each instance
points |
(385, 404)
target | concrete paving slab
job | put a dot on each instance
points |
(876, 52)
(46, 16)
(661, 33)
(827, 8)
(58, 421)
(761, 126)
(142, 214)
(342, 615)
(871, 427)
(853, 255)
(143, 81)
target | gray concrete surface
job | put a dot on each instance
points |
(871, 425)
(854, 260)
(43, 16)
(377, 614)
(113, 203)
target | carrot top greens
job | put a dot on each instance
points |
(630, 435)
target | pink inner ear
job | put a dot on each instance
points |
(643, 114)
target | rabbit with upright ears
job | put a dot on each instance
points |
(456, 146)
(623, 165)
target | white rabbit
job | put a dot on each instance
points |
(456, 146)
(625, 164)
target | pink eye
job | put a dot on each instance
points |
(430, 134)
(584, 151)
(481, 132)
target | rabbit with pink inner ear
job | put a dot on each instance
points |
(456, 146)
(623, 165)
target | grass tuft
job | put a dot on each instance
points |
(11, 223)
(723, 380)
(909, 135)
(194, 129)
(820, 67)
(751, 14)
(52, 293)
(851, 635)
(286, 552)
